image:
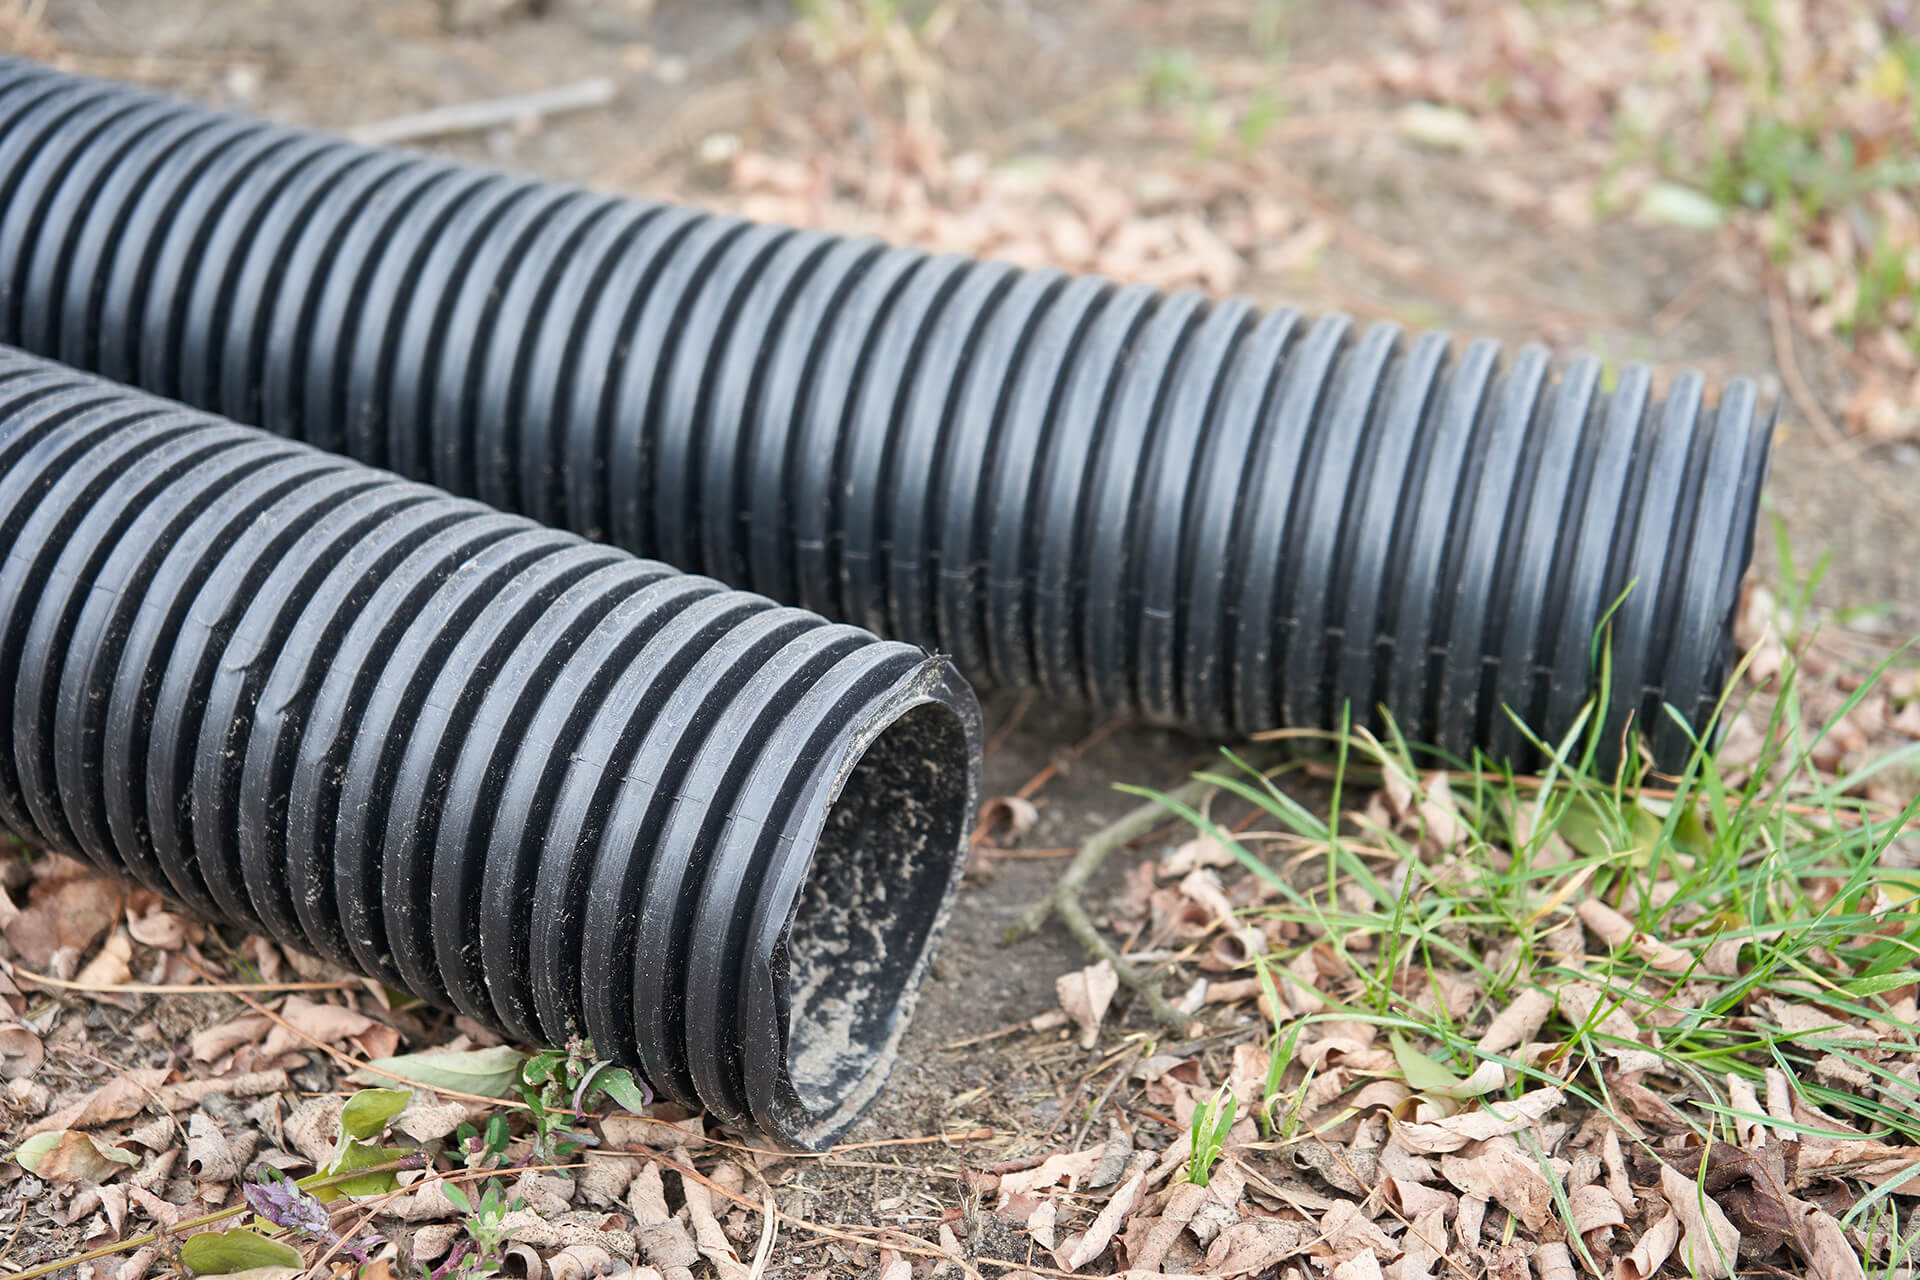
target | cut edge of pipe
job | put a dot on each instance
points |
(847, 922)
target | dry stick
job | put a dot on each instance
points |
(1031, 787)
(1781, 316)
(1007, 726)
(14, 1239)
(409, 1161)
(176, 988)
(491, 113)
(1065, 904)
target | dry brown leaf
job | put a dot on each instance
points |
(1615, 1033)
(64, 914)
(428, 1204)
(580, 1262)
(427, 1121)
(664, 1241)
(1361, 1266)
(21, 1052)
(1424, 1245)
(527, 1227)
(1751, 1124)
(163, 1212)
(1518, 1023)
(1415, 1199)
(74, 1157)
(1083, 1247)
(210, 1157)
(1069, 1167)
(432, 1241)
(1554, 1261)
(138, 1265)
(1499, 1171)
(111, 965)
(126, 1095)
(1710, 1243)
(1468, 1218)
(248, 1084)
(631, 1133)
(1346, 1231)
(1085, 995)
(1040, 1224)
(1190, 856)
(223, 1038)
(1496, 1118)
(1015, 814)
(158, 928)
(1594, 1209)
(1651, 1251)
(1254, 1246)
(314, 1127)
(1185, 1201)
(110, 1202)
(1619, 932)
(1328, 1041)
(327, 1023)
(1830, 1255)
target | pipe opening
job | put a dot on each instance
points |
(873, 898)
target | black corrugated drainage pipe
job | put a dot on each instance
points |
(524, 776)
(1144, 502)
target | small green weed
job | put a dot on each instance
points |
(1212, 1119)
(485, 1224)
(557, 1084)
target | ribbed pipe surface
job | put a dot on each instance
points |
(1142, 502)
(524, 776)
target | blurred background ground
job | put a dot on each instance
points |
(1726, 184)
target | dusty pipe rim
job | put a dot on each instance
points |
(834, 961)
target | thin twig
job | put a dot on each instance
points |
(490, 113)
(14, 1238)
(1032, 786)
(214, 988)
(1064, 902)
(1007, 726)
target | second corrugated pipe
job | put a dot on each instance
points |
(1141, 502)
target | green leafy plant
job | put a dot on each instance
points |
(485, 1223)
(226, 1252)
(557, 1084)
(483, 1150)
(363, 1121)
(1212, 1120)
